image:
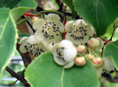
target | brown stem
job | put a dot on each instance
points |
(13, 83)
(19, 77)
(60, 5)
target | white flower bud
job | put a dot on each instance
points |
(93, 43)
(69, 54)
(80, 61)
(64, 53)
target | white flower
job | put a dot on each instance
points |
(78, 31)
(32, 46)
(48, 29)
(64, 53)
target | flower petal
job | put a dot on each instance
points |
(53, 17)
(59, 25)
(108, 64)
(51, 46)
(68, 25)
(59, 61)
(39, 23)
(90, 30)
(66, 43)
(32, 40)
(69, 54)
(69, 65)
(99, 71)
(39, 35)
(23, 40)
(80, 22)
(22, 48)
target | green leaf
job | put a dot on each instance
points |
(9, 3)
(100, 13)
(24, 6)
(111, 50)
(7, 38)
(71, 6)
(44, 72)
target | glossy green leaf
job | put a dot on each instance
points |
(100, 13)
(44, 72)
(108, 33)
(71, 6)
(111, 50)
(7, 38)
(24, 6)
(9, 3)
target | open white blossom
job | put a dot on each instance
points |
(78, 31)
(48, 29)
(32, 46)
(64, 53)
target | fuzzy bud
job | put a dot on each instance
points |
(34, 18)
(97, 61)
(93, 43)
(81, 49)
(80, 61)
(101, 43)
(89, 56)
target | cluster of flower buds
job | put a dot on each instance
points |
(73, 49)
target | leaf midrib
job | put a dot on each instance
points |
(4, 28)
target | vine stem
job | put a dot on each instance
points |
(23, 20)
(108, 40)
(41, 12)
(19, 77)
(51, 11)
(113, 32)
